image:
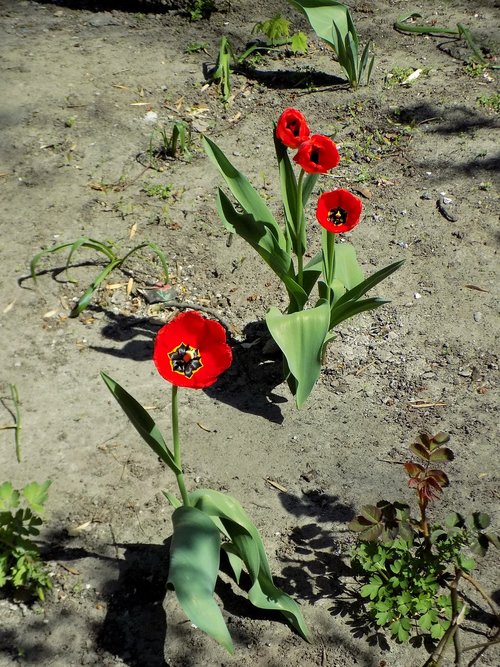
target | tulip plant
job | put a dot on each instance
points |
(191, 352)
(303, 332)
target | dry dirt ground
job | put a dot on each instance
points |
(84, 86)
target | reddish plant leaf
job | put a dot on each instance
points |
(413, 469)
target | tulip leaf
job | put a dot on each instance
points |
(193, 571)
(246, 547)
(360, 288)
(143, 422)
(246, 195)
(346, 310)
(322, 15)
(262, 239)
(301, 336)
(288, 184)
(346, 268)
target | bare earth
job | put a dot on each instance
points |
(79, 83)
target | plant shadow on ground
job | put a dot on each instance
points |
(247, 385)
(139, 6)
(283, 79)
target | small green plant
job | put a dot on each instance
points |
(332, 22)
(200, 9)
(277, 31)
(160, 190)
(410, 568)
(21, 514)
(196, 47)
(113, 261)
(70, 121)
(173, 142)
(475, 69)
(490, 101)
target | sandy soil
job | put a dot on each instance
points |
(79, 83)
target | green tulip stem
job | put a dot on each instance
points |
(329, 260)
(301, 221)
(177, 446)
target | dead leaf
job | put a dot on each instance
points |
(478, 289)
(204, 428)
(133, 231)
(277, 485)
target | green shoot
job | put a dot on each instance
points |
(113, 262)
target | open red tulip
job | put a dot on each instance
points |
(338, 211)
(317, 155)
(191, 351)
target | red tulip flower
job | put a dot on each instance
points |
(338, 211)
(191, 351)
(292, 128)
(317, 155)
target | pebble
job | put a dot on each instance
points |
(478, 316)
(416, 295)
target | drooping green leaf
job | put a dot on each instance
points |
(86, 297)
(173, 500)
(259, 235)
(247, 546)
(36, 495)
(301, 336)
(143, 422)
(322, 14)
(193, 571)
(243, 191)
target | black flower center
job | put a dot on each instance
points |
(314, 157)
(294, 126)
(185, 360)
(337, 216)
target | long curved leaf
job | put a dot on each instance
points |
(321, 14)
(258, 234)
(246, 547)
(248, 198)
(301, 336)
(350, 308)
(358, 289)
(193, 571)
(143, 422)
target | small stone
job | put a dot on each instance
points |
(416, 295)
(478, 316)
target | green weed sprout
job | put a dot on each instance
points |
(277, 32)
(21, 513)
(173, 142)
(113, 262)
(410, 568)
(332, 22)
